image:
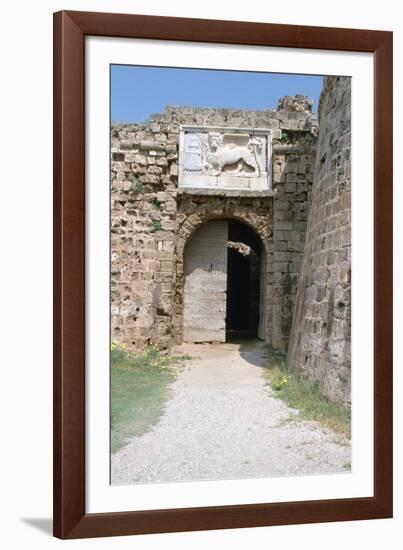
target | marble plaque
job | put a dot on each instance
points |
(225, 158)
(193, 143)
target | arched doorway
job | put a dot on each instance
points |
(243, 281)
(224, 283)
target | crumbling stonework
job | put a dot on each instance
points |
(152, 220)
(320, 336)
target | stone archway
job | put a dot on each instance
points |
(259, 223)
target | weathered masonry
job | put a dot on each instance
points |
(320, 344)
(209, 213)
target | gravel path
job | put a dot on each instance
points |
(223, 422)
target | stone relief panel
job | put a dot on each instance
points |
(193, 149)
(225, 158)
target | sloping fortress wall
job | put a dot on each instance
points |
(154, 216)
(320, 336)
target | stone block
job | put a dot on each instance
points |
(290, 187)
(151, 145)
(120, 167)
(140, 159)
(281, 205)
(155, 170)
(280, 267)
(174, 170)
(171, 148)
(283, 225)
(282, 215)
(168, 225)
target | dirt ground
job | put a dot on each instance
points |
(224, 422)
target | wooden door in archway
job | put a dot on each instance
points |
(205, 284)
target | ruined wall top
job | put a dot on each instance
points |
(295, 104)
(293, 113)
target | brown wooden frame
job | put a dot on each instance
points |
(70, 517)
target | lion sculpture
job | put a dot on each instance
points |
(218, 155)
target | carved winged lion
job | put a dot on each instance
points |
(218, 155)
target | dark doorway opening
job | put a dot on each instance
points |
(243, 281)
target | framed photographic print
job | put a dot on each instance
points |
(223, 274)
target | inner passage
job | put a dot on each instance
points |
(243, 281)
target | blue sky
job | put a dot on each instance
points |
(137, 91)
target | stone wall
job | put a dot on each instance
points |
(320, 337)
(152, 221)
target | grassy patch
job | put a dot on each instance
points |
(156, 225)
(136, 188)
(139, 390)
(304, 395)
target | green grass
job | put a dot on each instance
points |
(304, 395)
(139, 390)
(156, 225)
(136, 188)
